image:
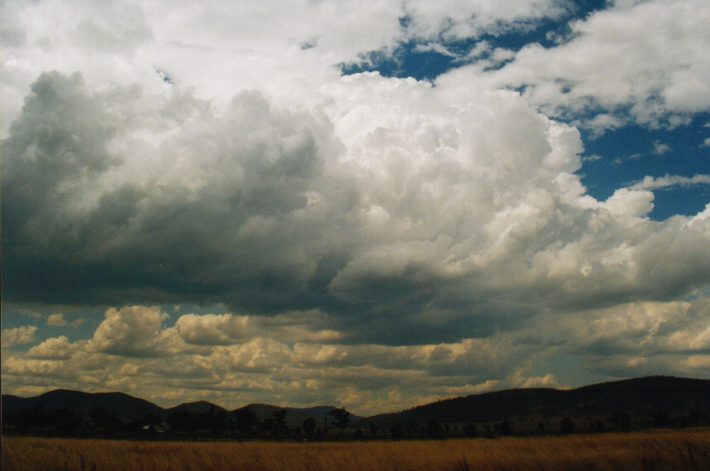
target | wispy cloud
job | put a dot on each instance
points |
(667, 181)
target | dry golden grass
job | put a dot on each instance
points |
(662, 450)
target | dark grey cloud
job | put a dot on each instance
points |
(401, 217)
(246, 236)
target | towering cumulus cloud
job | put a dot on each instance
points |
(335, 227)
(393, 203)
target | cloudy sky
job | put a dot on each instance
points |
(365, 204)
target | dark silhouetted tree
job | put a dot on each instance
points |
(566, 426)
(661, 419)
(104, 420)
(506, 429)
(433, 429)
(374, 428)
(246, 421)
(309, 426)
(598, 425)
(397, 430)
(341, 418)
(279, 426)
(621, 420)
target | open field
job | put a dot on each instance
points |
(658, 450)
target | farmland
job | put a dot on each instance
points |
(655, 450)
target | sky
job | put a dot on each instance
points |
(372, 205)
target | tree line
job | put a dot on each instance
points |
(336, 423)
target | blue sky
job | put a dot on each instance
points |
(370, 207)
(615, 159)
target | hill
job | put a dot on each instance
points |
(198, 407)
(658, 401)
(122, 405)
(648, 399)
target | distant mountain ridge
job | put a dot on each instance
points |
(122, 405)
(635, 397)
(644, 400)
(129, 408)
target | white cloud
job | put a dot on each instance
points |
(53, 348)
(389, 239)
(211, 329)
(652, 330)
(434, 47)
(546, 381)
(56, 320)
(391, 193)
(18, 336)
(625, 340)
(131, 330)
(648, 57)
(650, 183)
(267, 368)
(660, 148)
(221, 47)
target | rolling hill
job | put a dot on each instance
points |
(637, 398)
(643, 402)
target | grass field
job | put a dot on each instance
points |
(659, 450)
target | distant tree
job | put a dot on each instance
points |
(246, 421)
(341, 418)
(694, 417)
(488, 431)
(470, 429)
(267, 426)
(63, 420)
(566, 426)
(152, 419)
(104, 420)
(279, 425)
(541, 427)
(598, 425)
(374, 428)
(397, 430)
(309, 426)
(661, 419)
(433, 429)
(621, 420)
(24, 420)
(506, 429)
(181, 421)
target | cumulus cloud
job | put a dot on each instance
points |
(394, 203)
(299, 370)
(53, 348)
(56, 320)
(220, 47)
(367, 240)
(658, 73)
(18, 336)
(627, 339)
(211, 328)
(130, 331)
(638, 338)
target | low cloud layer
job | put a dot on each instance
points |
(289, 359)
